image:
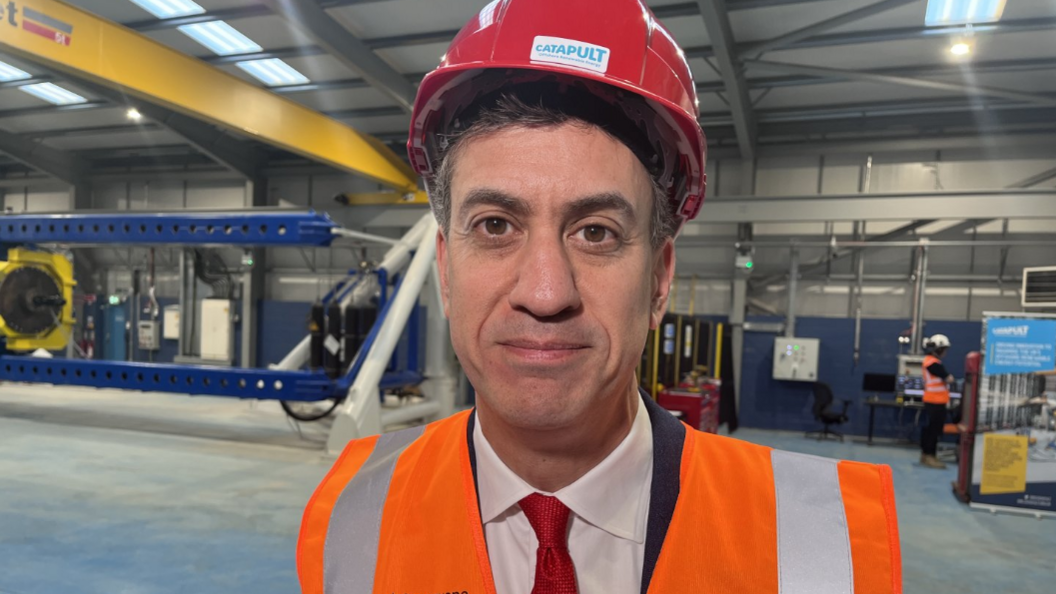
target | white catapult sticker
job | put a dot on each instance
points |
(569, 52)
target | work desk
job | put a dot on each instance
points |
(876, 402)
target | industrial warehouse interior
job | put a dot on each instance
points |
(219, 267)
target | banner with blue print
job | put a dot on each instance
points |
(1020, 345)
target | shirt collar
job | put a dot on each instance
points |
(613, 496)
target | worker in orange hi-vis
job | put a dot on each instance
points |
(559, 143)
(936, 396)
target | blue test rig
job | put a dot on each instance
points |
(36, 290)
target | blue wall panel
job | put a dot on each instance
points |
(282, 325)
(771, 404)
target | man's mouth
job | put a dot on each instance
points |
(542, 351)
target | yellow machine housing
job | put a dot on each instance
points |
(60, 271)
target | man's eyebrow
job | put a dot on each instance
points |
(496, 198)
(581, 207)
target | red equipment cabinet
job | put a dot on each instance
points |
(699, 405)
(973, 370)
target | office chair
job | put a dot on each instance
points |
(823, 411)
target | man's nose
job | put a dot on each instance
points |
(546, 282)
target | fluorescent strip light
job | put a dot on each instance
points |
(9, 73)
(273, 72)
(53, 94)
(963, 12)
(221, 38)
(167, 9)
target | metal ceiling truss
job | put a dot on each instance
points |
(922, 83)
(758, 49)
(908, 229)
(311, 19)
(11, 84)
(54, 162)
(92, 131)
(717, 24)
(1015, 204)
(238, 156)
(50, 109)
(898, 34)
(913, 71)
(257, 10)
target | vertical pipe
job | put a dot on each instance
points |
(188, 300)
(916, 346)
(133, 317)
(656, 360)
(717, 372)
(858, 307)
(793, 286)
(971, 271)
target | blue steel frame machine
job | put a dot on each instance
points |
(285, 381)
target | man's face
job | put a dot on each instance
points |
(547, 272)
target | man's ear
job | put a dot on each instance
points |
(663, 273)
(441, 267)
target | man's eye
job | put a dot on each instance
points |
(496, 226)
(594, 233)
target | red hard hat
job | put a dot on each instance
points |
(615, 42)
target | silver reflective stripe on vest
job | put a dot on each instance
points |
(813, 545)
(351, 553)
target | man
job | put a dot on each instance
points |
(562, 154)
(936, 397)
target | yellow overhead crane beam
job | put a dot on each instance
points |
(66, 38)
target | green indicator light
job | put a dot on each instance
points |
(796, 347)
(114, 300)
(748, 265)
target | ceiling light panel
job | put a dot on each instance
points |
(221, 38)
(963, 12)
(273, 72)
(53, 94)
(167, 9)
(9, 73)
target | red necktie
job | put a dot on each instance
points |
(554, 572)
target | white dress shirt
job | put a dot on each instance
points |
(610, 513)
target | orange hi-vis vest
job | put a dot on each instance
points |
(398, 513)
(935, 389)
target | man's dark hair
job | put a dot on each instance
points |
(509, 110)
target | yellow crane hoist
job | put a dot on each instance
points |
(36, 300)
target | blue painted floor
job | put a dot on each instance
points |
(109, 493)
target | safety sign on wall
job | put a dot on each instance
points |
(1020, 345)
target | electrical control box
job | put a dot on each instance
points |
(172, 322)
(796, 359)
(217, 330)
(148, 335)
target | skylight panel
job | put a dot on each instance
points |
(963, 12)
(273, 72)
(9, 73)
(221, 38)
(53, 94)
(167, 9)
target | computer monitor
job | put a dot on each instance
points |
(910, 385)
(879, 382)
